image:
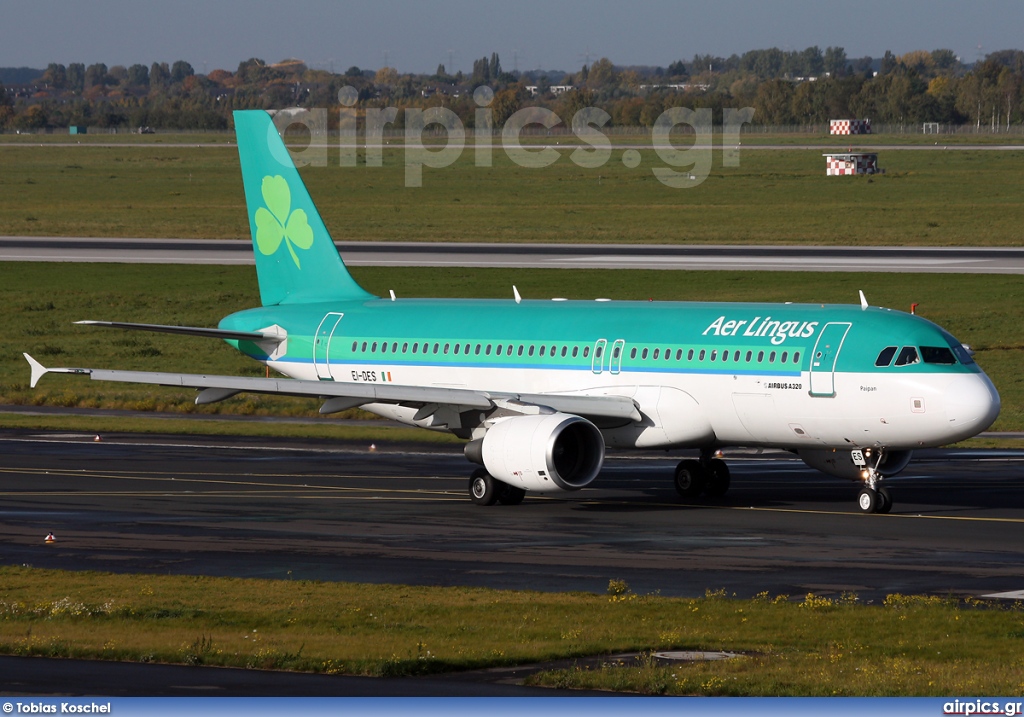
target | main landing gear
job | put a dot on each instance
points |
(708, 476)
(872, 498)
(485, 489)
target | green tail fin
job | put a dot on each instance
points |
(296, 260)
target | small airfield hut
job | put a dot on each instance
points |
(849, 126)
(842, 163)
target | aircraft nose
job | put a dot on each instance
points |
(972, 404)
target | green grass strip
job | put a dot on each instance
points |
(810, 645)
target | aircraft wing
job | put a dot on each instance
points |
(342, 395)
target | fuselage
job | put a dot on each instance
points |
(702, 374)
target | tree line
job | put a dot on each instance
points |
(805, 87)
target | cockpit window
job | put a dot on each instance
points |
(885, 357)
(908, 355)
(963, 354)
(937, 354)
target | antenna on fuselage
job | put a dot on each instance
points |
(515, 293)
(863, 300)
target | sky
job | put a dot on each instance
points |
(527, 34)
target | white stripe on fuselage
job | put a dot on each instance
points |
(905, 411)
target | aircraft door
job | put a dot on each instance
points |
(322, 345)
(597, 361)
(823, 358)
(615, 360)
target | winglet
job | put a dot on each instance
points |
(863, 300)
(515, 294)
(38, 370)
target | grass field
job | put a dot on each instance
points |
(810, 645)
(43, 300)
(774, 197)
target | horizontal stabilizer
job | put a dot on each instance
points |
(189, 331)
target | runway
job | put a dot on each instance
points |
(339, 512)
(987, 260)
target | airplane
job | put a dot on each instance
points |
(540, 388)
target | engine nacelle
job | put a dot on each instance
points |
(544, 453)
(839, 463)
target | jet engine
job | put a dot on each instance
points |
(840, 464)
(544, 453)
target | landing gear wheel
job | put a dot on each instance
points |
(483, 488)
(868, 501)
(884, 500)
(510, 495)
(717, 478)
(690, 478)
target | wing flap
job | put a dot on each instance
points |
(621, 407)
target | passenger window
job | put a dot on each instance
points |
(405, 347)
(364, 347)
(632, 353)
(542, 350)
(586, 351)
(355, 344)
(885, 356)
(477, 350)
(785, 355)
(760, 356)
(771, 357)
(725, 356)
(714, 354)
(497, 351)
(384, 347)
(457, 349)
(937, 354)
(446, 349)
(668, 354)
(576, 351)
(598, 352)
(520, 352)
(796, 357)
(736, 356)
(689, 355)
(749, 354)
(373, 349)
(437, 348)
(530, 352)
(551, 352)
(394, 347)
(508, 351)
(679, 354)
(701, 356)
(908, 356)
(565, 349)
(656, 351)
(415, 347)
(643, 354)
(615, 352)
(487, 351)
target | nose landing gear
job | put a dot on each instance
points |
(872, 498)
